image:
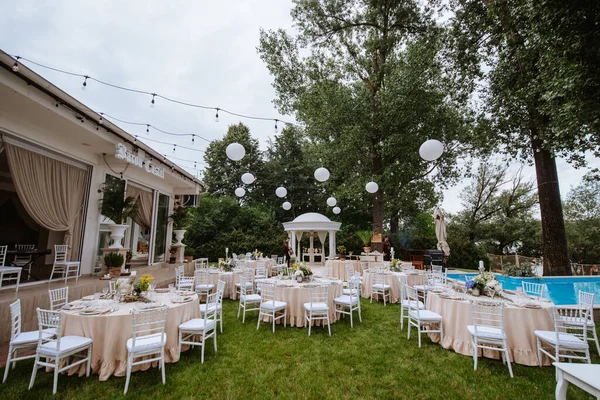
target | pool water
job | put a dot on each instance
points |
(561, 290)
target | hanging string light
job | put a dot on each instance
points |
(101, 120)
(147, 128)
(174, 145)
(85, 81)
(15, 66)
(193, 136)
(152, 101)
(275, 126)
(217, 115)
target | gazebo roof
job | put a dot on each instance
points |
(311, 222)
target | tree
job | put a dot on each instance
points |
(222, 175)
(582, 211)
(539, 62)
(369, 91)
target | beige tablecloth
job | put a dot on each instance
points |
(230, 279)
(296, 294)
(252, 264)
(519, 324)
(110, 334)
(391, 279)
(339, 267)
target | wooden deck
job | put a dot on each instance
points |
(36, 295)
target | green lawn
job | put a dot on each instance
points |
(373, 360)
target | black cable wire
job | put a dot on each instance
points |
(193, 135)
(172, 100)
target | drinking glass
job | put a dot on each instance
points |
(104, 291)
(171, 289)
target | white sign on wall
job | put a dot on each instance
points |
(123, 154)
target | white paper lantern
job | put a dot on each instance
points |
(331, 201)
(287, 205)
(321, 174)
(248, 178)
(240, 192)
(372, 187)
(337, 210)
(235, 151)
(431, 150)
(281, 191)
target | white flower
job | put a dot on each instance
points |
(299, 273)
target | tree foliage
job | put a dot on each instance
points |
(365, 80)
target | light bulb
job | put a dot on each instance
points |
(84, 82)
(147, 128)
(15, 67)
(217, 116)
(101, 120)
(275, 126)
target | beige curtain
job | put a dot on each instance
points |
(51, 191)
(145, 200)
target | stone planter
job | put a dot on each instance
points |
(117, 232)
(299, 279)
(114, 272)
(367, 249)
(179, 233)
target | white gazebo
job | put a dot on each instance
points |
(312, 223)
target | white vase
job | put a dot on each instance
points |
(179, 235)
(117, 232)
(299, 279)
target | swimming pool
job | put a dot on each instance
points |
(561, 290)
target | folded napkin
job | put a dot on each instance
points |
(182, 299)
(90, 297)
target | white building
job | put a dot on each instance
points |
(56, 154)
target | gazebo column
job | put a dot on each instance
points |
(311, 256)
(294, 241)
(332, 251)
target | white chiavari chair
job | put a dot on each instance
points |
(75, 350)
(379, 287)
(183, 282)
(348, 303)
(405, 304)
(201, 328)
(220, 291)
(533, 289)
(112, 286)
(248, 273)
(420, 318)
(248, 301)
(487, 331)
(317, 309)
(202, 282)
(568, 340)
(8, 274)
(24, 260)
(58, 297)
(21, 341)
(586, 300)
(148, 340)
(68, 269)
(269, 307)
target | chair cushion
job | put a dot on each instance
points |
(273, 305)
(148, 342)
(251, 298)
(346, 300)
(576, 321)
(564, 339)
(422, 288)
(379, 286)
(67, 344)
(425, 315)
(67, 263)
(248, 284)
(33, 336)
(486, 332)
(350, 291)
(197, 324)
(413, 304)
(316, 307)
(208, 286)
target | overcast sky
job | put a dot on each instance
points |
(202, 52)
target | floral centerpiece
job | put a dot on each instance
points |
(394, 265)
(143, 284)
(256, 254)
(303, 272)
(342, 251)
(485, 283)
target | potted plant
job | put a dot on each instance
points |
(188, 253)
(117, 208)
(172, 251)
(114, 262)
(342, 251)
(365, 238)
(180, 220)
(128, 260)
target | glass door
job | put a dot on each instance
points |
(162, 220)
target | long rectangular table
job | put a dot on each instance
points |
(35, 254)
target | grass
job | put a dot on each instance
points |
(372, 360)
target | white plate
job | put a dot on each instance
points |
(89, 312)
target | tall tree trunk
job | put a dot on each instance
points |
(394, 224)
(556, 253)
